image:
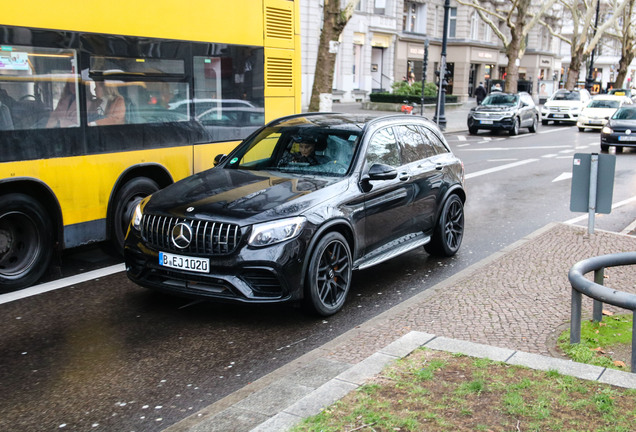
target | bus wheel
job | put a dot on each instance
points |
(26, 244)
(126, 200)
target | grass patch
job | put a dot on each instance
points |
(606, 343)
(438, 391)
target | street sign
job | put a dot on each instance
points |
(592, 184)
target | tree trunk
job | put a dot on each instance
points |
(512, 70)
(575, 68)
(334, 23)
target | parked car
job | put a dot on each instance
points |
(564, 106)
(599, 110)
(504, 111)
(264, 226)
(620, 130)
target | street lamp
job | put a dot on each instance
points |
(590, 73)
(440, 117)
(424, 67)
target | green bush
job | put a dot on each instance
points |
(411, 93)
(415, 89)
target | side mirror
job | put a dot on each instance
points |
(382, 172)
(219, 158)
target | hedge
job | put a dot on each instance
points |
(393, 98)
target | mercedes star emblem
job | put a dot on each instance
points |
(181, 235)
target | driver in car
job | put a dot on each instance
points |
(306, 154)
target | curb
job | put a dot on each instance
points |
(357, 375)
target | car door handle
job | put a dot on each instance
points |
(404, 176)
(439, 166)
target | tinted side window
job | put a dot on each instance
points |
(383, 148)
(414, 146)
(433, 140)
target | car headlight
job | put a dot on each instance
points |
(544, 109)
(136, 220)
(270, 233)
(607, 130)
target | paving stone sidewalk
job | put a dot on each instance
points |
(517, 301)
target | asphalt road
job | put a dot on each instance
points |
(108, 355)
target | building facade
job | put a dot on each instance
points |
(386, 41)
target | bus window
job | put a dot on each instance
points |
(138, 91)
(39, 86)
(228, 92)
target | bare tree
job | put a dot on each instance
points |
(625, 32)
(519, 16)
(584, 38)
(335, 18)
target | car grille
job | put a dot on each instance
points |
(558, 109)
(207, 238)
(488, 116)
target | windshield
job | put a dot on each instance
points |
(603, 104)
(625, 114)
(567, 95)
(302, 149)
(501, 99)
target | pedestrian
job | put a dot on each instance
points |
(480, 93)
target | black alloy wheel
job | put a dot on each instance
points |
(26, 242)
(126, 200)
(329, 275)
(449, 231)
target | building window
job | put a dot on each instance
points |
(474, 26)
(379, 7)
(414, 17)
(452, 22)
(360, 6)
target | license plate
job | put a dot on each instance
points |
(596, 122)
(486, 122)
(627, 138)
(181, 262)
(558, 115)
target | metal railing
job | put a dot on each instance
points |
(599, 293)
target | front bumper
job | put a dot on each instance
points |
(560, 116)
(265, 275)
(589, 123)
(620, 139)
(506, 123)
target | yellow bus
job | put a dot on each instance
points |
(103, 104)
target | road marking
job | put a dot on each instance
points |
(519, 148)
(554, 130)
(461, 137)
(614, 206)
(499, 168)
(61, 283)
(564, 176)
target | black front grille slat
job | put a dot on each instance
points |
(208, 238)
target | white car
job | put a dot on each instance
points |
(564, 106)
(599, 110)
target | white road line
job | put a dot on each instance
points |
(563, 176)
(553, 130)
(614, 206)
(461, 137)
(519, 148)
(61, 283)
(499, 168)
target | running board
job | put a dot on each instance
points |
(393, 249)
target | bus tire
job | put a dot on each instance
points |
(126, 199)
(26, 242)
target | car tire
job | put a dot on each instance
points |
(26, 241)
(604, 148)
(581, 129)
(449, 231)
(515, 127)
(126, 199)
(328, 277)
(535, 124)
(473, 130)
(544, 122)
